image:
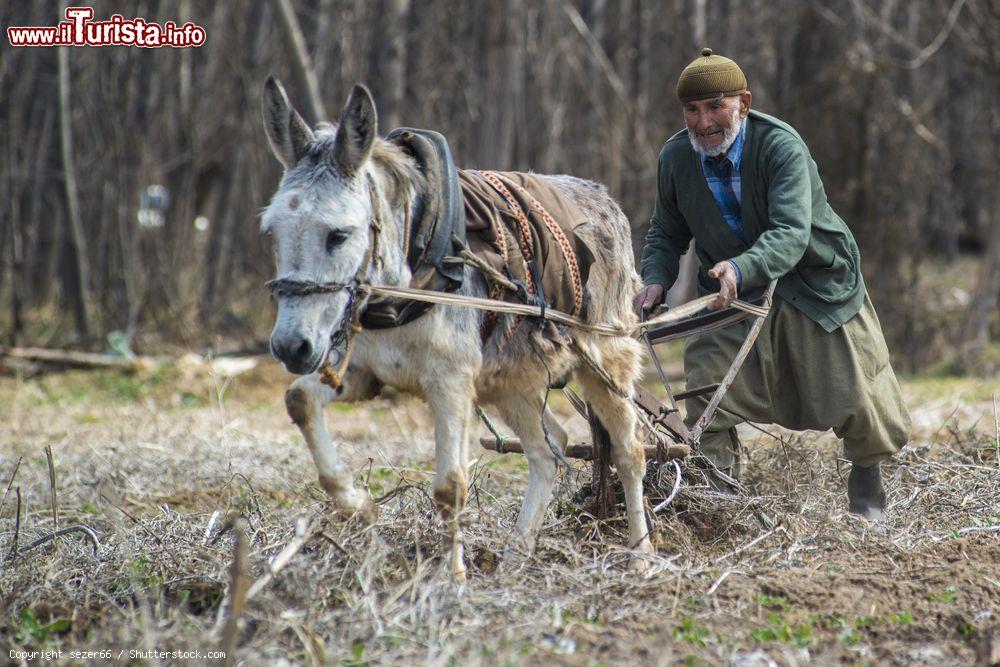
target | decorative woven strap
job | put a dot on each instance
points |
(522, 221)
(564, 245)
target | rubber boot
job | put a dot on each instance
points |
(865, 493)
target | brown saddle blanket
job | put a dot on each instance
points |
(512, 218)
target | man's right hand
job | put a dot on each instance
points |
(648, 298)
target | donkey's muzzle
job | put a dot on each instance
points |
(296, 353)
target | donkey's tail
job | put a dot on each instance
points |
(604, 497)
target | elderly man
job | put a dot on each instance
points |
(744, 186)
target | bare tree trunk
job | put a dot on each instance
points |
(218, 255)
(493, 129)
(393, 64)
(985, 299)
(699, 23)
(184, 79)
(302, 61)
(325, 39)
(685, 287)
(15, 271)
(81, 297)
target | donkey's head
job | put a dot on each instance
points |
(320, 220)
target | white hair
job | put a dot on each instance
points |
(729, 135)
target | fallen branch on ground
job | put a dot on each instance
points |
(74, 358)
(78, 528)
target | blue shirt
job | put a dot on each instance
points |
(723, 176)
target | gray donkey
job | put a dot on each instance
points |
(338, 181)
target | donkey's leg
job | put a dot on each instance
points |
(522, 413)
(449, 395)
(620, 359)
(305, 401)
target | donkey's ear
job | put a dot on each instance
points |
(356, 132)
(287, 133)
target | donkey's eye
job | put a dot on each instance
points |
(334, 239)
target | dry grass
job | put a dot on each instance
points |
(160, 467)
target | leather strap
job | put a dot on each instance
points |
(436, 236)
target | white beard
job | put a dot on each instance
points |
(729, 135)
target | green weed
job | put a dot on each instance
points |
(141, 575)
(29, 630)
(357, 657)
(87, 508)
(189, 400)
(863, 622)
(380, 480)
(902, 618)
(690, 633)
(949, 595)
(780, 630)
(849, 637)
(775, 602)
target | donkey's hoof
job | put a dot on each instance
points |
(457, 560)
(638, 564)
(517, 551)
(368, 512)
(360, 509)
(642, 561)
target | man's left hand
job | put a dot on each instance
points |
(726, 275)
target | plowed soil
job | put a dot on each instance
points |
(160, 464)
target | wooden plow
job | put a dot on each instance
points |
(667, 436)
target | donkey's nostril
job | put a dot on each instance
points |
(303, 350)
(294, 351)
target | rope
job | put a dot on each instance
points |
(335, 378)
(560, 458)
(286, 287)
(601, 373)
(481, 264)
(499, 437)
(478, 303)
(292, 287)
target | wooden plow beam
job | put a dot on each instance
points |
(583, 450)
(672, 438)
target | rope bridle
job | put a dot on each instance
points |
(358, 293)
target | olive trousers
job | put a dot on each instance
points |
(802, 377)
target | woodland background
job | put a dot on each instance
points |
(130, 179)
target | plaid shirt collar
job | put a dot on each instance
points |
(735, 154)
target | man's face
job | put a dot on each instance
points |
(714, 123)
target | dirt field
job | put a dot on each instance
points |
(159, 464)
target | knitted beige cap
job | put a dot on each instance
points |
(708, 76)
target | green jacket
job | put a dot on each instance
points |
(794, 234)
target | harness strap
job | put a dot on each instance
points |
(524, 240)
(567, 250)
(428, 229)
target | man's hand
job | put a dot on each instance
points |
(726, 275)
(649, 297)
